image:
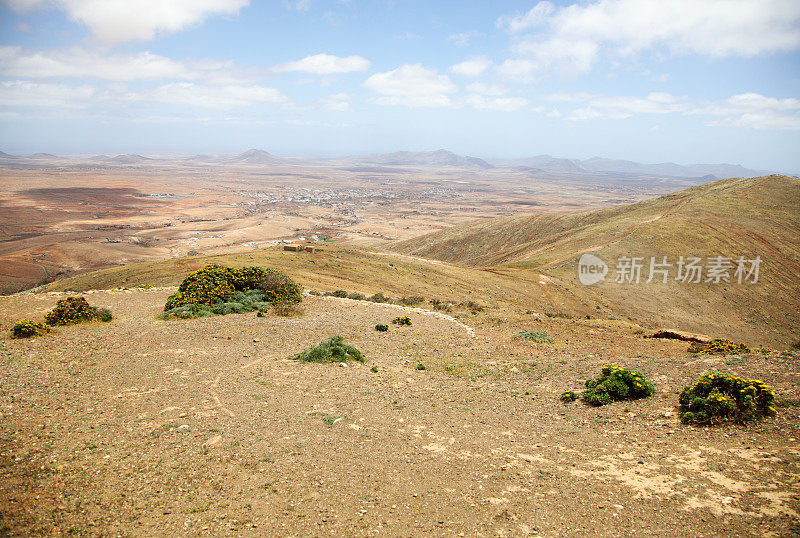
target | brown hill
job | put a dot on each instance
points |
(750, 218)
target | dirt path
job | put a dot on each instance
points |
(103, 429)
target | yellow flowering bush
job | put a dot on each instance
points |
(616, 383)
(75, 310)
(718, 346)
(716, 398)
(402, 320)
(215, 284)
(25, 328)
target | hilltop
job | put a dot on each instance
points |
(747, 217)
(205, 426)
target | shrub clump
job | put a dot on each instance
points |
(616, 383)
(402, 320)
(535, 336)
(238, 302)
(279, 288)
(215, 285)
(381, 327)
(718, 346)
(75, 310)
(716, 398)
(332, 350)
(25, 328)
(568, 397)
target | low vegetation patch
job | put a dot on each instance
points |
(381, 327)
(402, 320)
(238, 302)
(332, 350)
(716, 398)
(568, 397)
(219, 290)
(534, 336)
(26, 328)
(718, 346)
(616, 383)
(75, 310)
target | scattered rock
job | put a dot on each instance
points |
(213, 442)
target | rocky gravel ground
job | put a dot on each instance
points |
(143, 427)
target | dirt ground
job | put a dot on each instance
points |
(141, 427)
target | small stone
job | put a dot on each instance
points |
(343, 364)
(213, 442)
(618, 506)
(183, 427)
(182, 415)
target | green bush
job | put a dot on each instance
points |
(75, 310)
(357, 296)
(341, 294)
(381, 327)
(421, 366)
(402, 320)
(238, 302)
(716, 398)
(25, 328)
(331, 350)
(186, 311)
(535, 336)
(616, 383)
(568, 397)
(379, 298)
(411, 301)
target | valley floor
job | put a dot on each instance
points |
(112, 429)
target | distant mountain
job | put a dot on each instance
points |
(125, 158)
(42, 156)
(254, 156)
(598, 165)
(4, 155)
(422, 158)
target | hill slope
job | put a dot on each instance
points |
(753, 217)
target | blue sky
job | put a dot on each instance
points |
(645, 80)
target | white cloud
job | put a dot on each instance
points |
(746, 111)
(221, 97)
(519, 70)
(79, 63)
(572, 38)
(600, 107)
(537, 16)
(501, 104)
(412, 85)
(754, 111)
(23, 93)
(487, 89)
(119, 21)
(474, 67)
(325, 64)
(337, 101)
(462, 39)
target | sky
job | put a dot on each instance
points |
(681, 81)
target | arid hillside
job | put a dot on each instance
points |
(753, 218)
(453, 426)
